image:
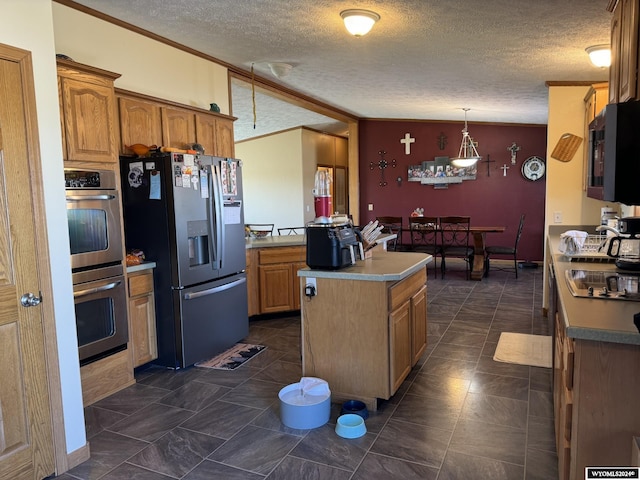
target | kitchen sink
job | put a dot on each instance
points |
(607, 285)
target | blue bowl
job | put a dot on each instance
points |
(350, 426)
(355, 407)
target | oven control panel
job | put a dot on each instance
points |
(89, 179)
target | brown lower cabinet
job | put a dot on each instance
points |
(363, 337)
(595, 391)
(142, 318)
(272, 278)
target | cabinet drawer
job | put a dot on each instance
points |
(140, 284)
(401, 291)
(268, 256)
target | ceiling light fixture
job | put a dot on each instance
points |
(468, 155)
(600, 55)
(279, 69)
(359, 22)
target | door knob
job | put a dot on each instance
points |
(30, 300)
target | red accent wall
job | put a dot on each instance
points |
(492, 199)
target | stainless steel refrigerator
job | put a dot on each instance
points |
(185, 213)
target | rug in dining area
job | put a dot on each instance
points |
(232, 358)
(524, 349)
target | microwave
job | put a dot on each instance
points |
(614, 154)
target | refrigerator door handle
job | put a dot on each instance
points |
(211, 291)
(217, 200)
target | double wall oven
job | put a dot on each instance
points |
(95, 238)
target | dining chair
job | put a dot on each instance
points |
(392, 225)
(259, 229)
(454, 241)
(424, 237)
(291, 231)
(504, 250)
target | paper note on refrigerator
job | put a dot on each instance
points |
(232, 212)
(154, 187)
(228, 176)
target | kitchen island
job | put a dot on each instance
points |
(365, 326)
(595, 371)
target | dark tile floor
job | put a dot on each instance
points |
(459, 414)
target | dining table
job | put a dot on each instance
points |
(479, 237)
(478, 234)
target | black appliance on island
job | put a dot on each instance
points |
(185, 213)
(332, 246)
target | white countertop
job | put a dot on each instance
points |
(276, 241)
(142, 266)
(593, 318)
(383, 266)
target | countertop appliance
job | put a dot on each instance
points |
(332, 246)
(608, 285)
(613, 169)
(625, 246)
(185, 212)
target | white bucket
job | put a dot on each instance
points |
(304, 408)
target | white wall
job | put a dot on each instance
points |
(272, 179)
(146, 66)
(28, 25)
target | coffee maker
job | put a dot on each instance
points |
(625, 247)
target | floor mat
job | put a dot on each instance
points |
(524, 349)
(233, 357)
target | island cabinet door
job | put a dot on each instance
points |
(418, 324)
(400, 344)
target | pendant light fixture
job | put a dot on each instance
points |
(359, 22)
(468, 155)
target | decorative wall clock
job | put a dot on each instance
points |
(533, 168)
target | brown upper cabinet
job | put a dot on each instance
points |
(623, 73)
(152, 121)
(140, 122)
(88, 112)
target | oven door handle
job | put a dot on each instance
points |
(211, 291)
(79, 198)
(91, 291)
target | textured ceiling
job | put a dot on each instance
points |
(425, 59)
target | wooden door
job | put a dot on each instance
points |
(418, 324)
(26, 436)
(400, 345)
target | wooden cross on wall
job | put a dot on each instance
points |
(407, 140)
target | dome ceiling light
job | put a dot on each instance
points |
(359, 22)
(600, 55)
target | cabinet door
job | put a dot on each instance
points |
(418, 324)
(178, 127)
(89, 125)
(224, 138)
(400, 344)
(140, 122)
(143, 329)
(276, 291)
(628, 58)
(206, 132)
(142, 318)
(614, 70)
